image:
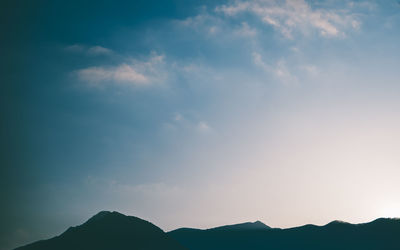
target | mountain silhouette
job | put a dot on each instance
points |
(243, 226)
(235, 227)
(109, 231)
(115, 231)
(381, 234)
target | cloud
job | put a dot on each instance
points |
(203, 127)
(126, 73)
(292, 16)
(212, 25)
(282, 72)
(87, 50)
(246, 31)
(311, 70)
(120, 74)
(204, 22)
(232, 10)
(136, 73)
(98, 50)
(258, 61)
(279, 69)
(182, 123)
(178, 117)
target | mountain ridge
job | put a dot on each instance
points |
(379, 234)
(113, 230)
(109, 230)
(334, 222)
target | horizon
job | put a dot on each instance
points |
(198, 113)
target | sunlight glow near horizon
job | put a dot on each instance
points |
(390, 209)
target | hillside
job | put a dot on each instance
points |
(109, 231)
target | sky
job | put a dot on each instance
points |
(197, 113)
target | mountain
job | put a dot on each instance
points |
(109, 231)
(115, 231)
(381, 234)
(243, 226)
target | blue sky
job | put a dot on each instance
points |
(199, 113)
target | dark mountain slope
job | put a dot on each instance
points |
(115, 231)
(109, 231)
(243, 226)
(381, 234)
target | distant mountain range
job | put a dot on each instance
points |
(381, 234)
(115, 231)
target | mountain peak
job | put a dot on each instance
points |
(387, 219)
(109, 230)
(103, 214)
(338, 222)
(257, 225)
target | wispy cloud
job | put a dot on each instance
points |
(311, 70)
(204, 22)
(123, 73)
(203, 127)
(278, 69)
(295, 16)
(89, 50)
(182, 123)
(246, 31)
(258, 61)
(135, 73)
(98, 50)
(214, 25)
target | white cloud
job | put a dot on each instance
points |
(232, 10)
(126, 73)
(136, 73)
(120, 74)
(213, 25)
(203, 127)
(292, 16)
